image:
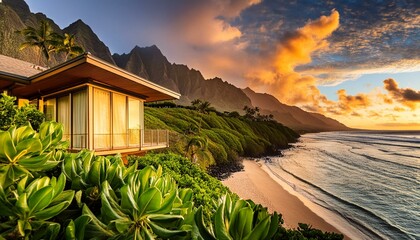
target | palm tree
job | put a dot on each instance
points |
(43, 38)
(69, 46)
(197, 149)
(202, 107)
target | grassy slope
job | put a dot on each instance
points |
(227, 137)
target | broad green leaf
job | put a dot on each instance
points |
(12, 173)
(59, 185)
(22, 204)
(23, 226)
(242, 225)
(95, 225)
(71, 231)
(166, 233)
(166, 220)
(7, 150)
(219, 223)
(145, 176)
(167, 203)
(149, 201)
(37, 184)
(94, 175)
(122, 225)
(36, 162)
(274, 225)
(53, 211)
(260, 230)
(40, 199)
(127, 198)
(203, 230)
(80, 225)
(186, 194)
(31, 145)
(108, 213)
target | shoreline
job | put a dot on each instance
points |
(256, 183)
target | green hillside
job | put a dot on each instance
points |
(221, 138)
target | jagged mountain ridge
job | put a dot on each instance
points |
(89, 40)
(150, 63)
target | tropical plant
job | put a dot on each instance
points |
(150, 206)
(69, 47)
(87, 172)
(44, 38)
(25, 152)
(206, 189)
(202, 107)
(26, 209)
(197, 149)
(239, 219)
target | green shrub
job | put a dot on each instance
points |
(228, 137)
(206, 188)
(11, 115)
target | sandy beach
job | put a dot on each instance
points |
(254, 183)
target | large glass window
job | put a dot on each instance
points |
(79, 121)
(119, 120)
(50, 109)
(63, 115)
(134, 122)
(101, 118)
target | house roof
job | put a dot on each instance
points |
(18, 67)
(89, 69)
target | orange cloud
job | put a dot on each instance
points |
(347, 102)
(406, 96)
(277, 74)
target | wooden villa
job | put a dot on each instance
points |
(100, 105)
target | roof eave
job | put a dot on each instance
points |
(98, 62)
(14, 78)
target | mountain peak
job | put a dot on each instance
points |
(89, 40)
(20, 7)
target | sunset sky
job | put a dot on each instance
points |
(355, 61)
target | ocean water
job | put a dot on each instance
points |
(368, 180)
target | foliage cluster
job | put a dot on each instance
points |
(46, 193)
(221, 216)
(227, 137)
(11, 115)
(206, 188)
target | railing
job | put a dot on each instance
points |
(135, 138)
(155, 138)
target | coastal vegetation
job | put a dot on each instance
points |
(49, 193)
(209, 137)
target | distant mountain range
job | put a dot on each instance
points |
(150, 63)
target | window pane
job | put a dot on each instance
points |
(79, 119)
(119, 120)
(49, 109)
(63, 115)
(134, 121)
(102, 119)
